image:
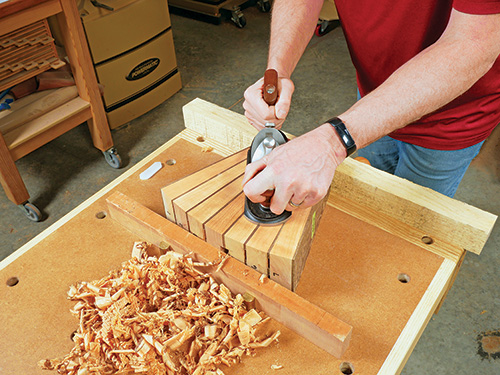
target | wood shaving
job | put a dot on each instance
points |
(276, 367)
(159, 316)
(207, 149)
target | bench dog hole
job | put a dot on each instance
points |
(12, 281)
(346, 368)
(101, 215)
(170, 162)
(427, 240)
(404, 278)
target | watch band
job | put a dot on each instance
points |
(345, 136)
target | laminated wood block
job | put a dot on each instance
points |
(210, 204)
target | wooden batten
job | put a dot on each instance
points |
(437, 216)
(220, 124)
(301, 316)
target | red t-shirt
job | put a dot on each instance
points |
(382, 35)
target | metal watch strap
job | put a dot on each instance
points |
(345, 136)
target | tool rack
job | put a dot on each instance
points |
(87, 106)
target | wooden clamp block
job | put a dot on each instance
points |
(210, 203)
(308, 320)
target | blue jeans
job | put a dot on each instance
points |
(439, 170)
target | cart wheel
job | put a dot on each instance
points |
(113, 158)
(238, 18)
(320, 31)
(264, 6)
(324, 27)
(31, 211)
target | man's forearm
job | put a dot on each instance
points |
(292, 26)
(429, 81)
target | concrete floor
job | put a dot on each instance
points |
(217, 63)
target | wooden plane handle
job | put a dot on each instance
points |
(270, 92)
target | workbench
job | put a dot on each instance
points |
(382, 260)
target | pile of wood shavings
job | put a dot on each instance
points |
(159, 316)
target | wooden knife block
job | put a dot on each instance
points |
(210, 204)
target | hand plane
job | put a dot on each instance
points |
(264, 142)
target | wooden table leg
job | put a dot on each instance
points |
(84, 74)
(10, 178)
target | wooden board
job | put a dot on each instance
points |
(351, 272)
(296, 313)
(209, 204)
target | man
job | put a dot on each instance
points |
(429, 76)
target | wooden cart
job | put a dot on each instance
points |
(87, 106)
(382, 260)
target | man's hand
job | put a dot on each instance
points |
(258, 112)
(299, 171)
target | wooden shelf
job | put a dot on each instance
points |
(35, 133)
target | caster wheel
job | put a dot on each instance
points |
(264, 6)
(112, 158)
(238, 18)
(31, 211)
(324, 27)
(320, 30)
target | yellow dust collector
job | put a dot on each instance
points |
(133, 54)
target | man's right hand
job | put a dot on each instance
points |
(258, 112)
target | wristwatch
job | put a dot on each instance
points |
(345, 136)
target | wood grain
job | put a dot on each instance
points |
(195, 196)
(178, 188)
(10, 178)
(217, 226)
(202, 206)
(210, 207)
(439, 216)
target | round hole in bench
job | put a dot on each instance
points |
(101, 215)
(404, 278)
(427, 240)
(12, 281)
(346, 368)
(170, 162)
